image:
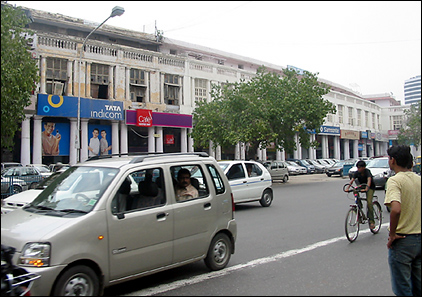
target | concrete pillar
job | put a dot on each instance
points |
(237, 151)
(218, 153)
(26, 141)
(43, 69)
(69, 78)
(324, 147)
(346, 149)
(73, 152)
(84, 140)
(160, 140)
(211, 150)
(191, 147)
(336, 147)
(115, 147)
(36, 141)
(355, 148)
(242, 151)
(151, 139)
(110, 82)
(183, 140)
(123, 138)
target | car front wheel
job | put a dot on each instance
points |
(267, 198)
(77, 281)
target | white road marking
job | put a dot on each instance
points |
(214, 274)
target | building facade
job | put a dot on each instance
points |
(134, 92)
(412, 90)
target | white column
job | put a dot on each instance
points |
(127, 85)
(160, 140)
(84, 140)
(69, 78)
(237, 151)
(26, 141)
(337, 147)
(73, 152)
(324, 147)
(355, 148)
(264, 154)
(123, 138)
(191, 147)
(218, 153)
(151, 139)
(346, 149)
(211, 151)
(42, 75)
(183, 140)
(110, 82)
(36, 140)
(312, 151)
(115, 147)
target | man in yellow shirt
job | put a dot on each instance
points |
(403, 196)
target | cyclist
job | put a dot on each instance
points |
(364, 176)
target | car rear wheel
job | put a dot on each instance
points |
(267, 198)
(285, 179)
(328, 174)
(15, 189)
(219, 252)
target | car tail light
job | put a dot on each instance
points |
(233, 206)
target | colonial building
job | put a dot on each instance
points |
(139, 90)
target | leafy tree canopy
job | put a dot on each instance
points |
(267, 109)
(410, 133)
(18, 72)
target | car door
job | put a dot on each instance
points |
(236, 174)
(256, 182)
(194, 219)
(140, 239)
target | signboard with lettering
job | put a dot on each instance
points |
(349, 134)
(329, 130)
(67, 106)
(143, 118)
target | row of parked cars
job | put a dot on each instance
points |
(16, 178)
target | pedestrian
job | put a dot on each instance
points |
(403, 196)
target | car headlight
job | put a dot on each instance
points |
(35, 254)
(379, 175)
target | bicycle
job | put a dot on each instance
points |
(356, 216)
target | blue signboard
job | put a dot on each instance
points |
(363, 134)
(330, 130)
(67, 106)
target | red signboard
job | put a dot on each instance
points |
(169, 139)
(143, 118)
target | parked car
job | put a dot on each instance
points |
(337, 168)
(57, 166)
(91, 228)
(248, 187)
(11, 186)
(310, 169)
(354, 168)
(5, 165)
(295, 168)
(318, 167)
(21, 199)
(43, 169)
(380, 171)
(31, 175)
(278, 170)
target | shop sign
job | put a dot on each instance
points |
(143, 118)
(329, 130)
(169, 139)
(349, 134)
(363, 134)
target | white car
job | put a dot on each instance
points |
(295, 168)
(249, 181)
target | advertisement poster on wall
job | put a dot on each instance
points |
(55, 138)
(99, 140)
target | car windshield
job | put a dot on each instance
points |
(378, 163)
(76, 190)
(223, 165)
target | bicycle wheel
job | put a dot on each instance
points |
(352, 224)
(377, 217)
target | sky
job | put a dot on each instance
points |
(369, 47)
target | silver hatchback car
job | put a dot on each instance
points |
(115, 219)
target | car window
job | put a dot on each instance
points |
(236, 172)
(217, 179)
(197, 180)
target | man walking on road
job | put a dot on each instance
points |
(403, 196)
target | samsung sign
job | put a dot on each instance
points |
(67, 106)
(329, 130)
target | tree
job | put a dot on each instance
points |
(267, 109)
(19, 72)
(410, 132)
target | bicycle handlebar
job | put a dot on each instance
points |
(352, 188)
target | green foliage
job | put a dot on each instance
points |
(18, 72)
(410, 133)
(267, 109)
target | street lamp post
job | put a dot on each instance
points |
(116, 11)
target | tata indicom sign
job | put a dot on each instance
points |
(67, 106)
